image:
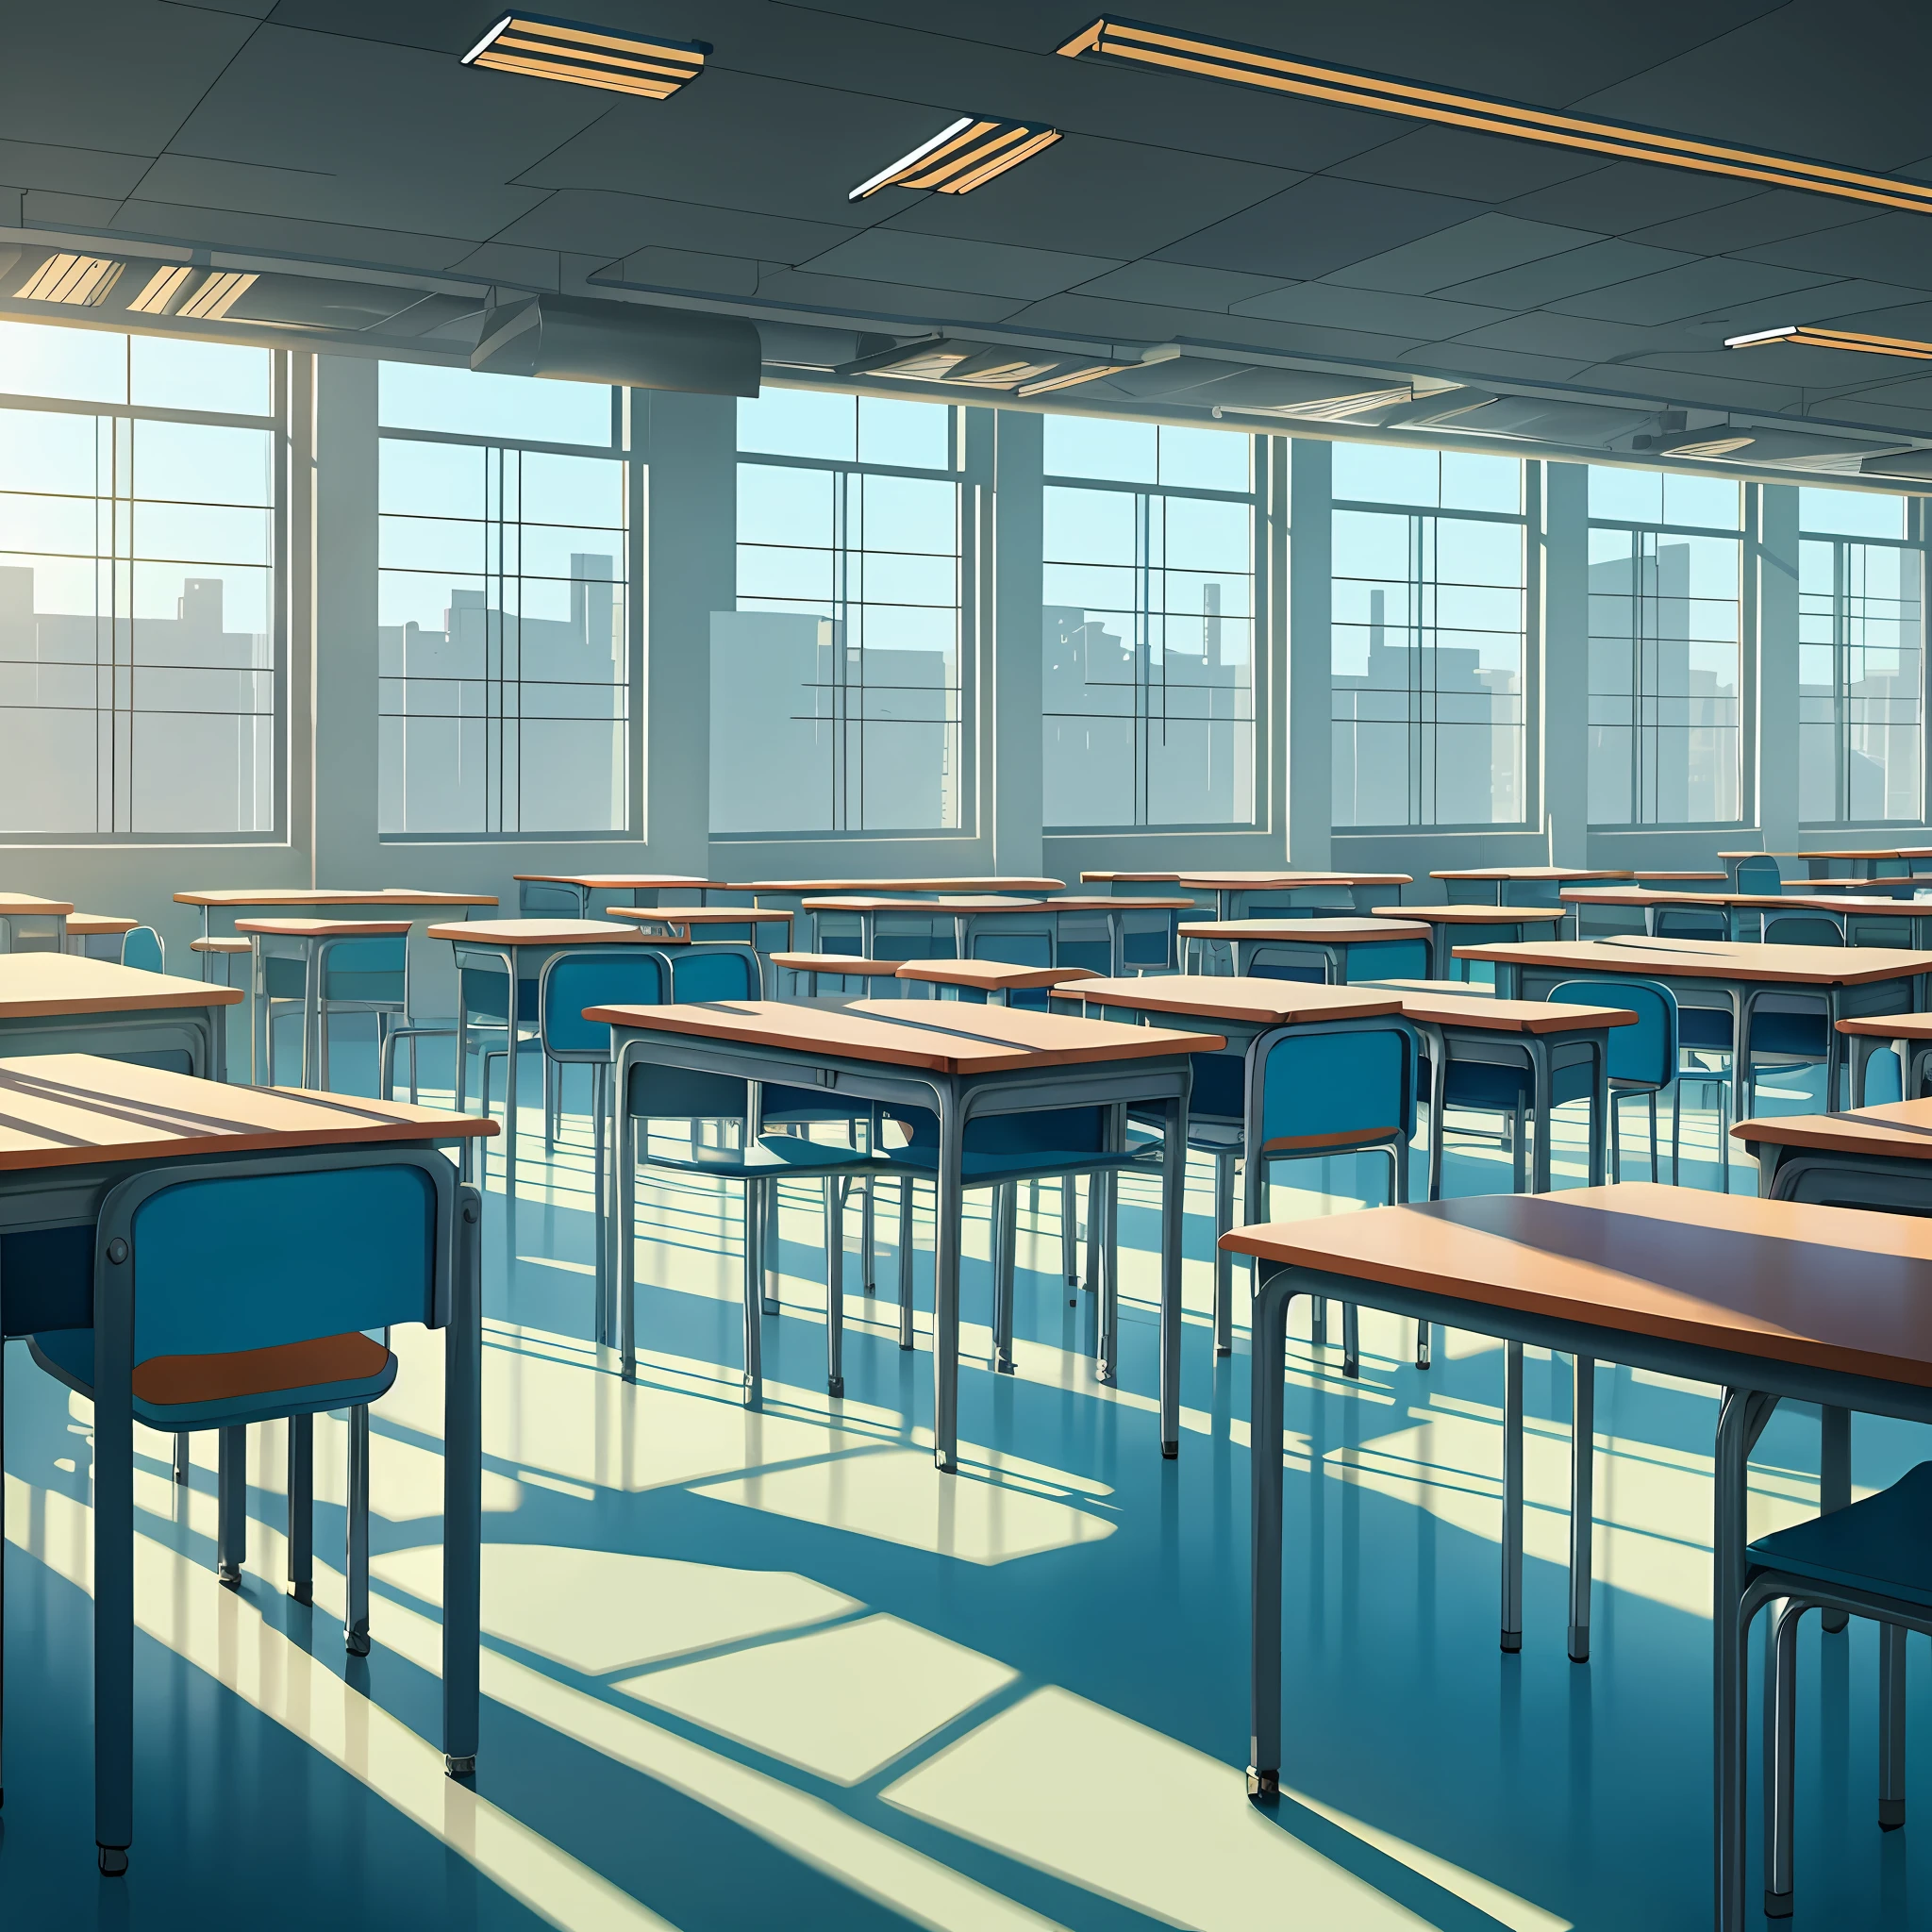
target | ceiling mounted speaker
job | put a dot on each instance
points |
(570, 337)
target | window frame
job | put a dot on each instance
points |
(278, 425)
(623, 449)
(1262, 576)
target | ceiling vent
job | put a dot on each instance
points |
(570, 337)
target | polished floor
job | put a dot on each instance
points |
(748, 1669)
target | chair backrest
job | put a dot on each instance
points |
(1759, 873)
(1801, 929)
(143, 950)
(1692, 923)
(1317, 1090)
(592, 976)
(375, 970)
(1014, 948)
(1532, 892)
(1645, 1054)
(1386, 959)
(1147, 942)
(546, 899)
(264, 1260)
(716, 973)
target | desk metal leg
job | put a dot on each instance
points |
(945, 1287)
(906, 1335)
(1582, 1502)
(1070, 1229)
(1741, 1421)
(231, 1489)
(1224, 1261)
(462, 1494)
(114, 1575)
(1173, 1169)
(1006, 1239)
(835, 1284)
(1512, 1495)
(757, 1215)
(625, 1207)
(1834, 1482)
(1268, 1368)
(355, 1555)
(301, 1507)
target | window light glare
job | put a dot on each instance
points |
(1136, 43)
(961, 157)
(588, 55)
(78, 282)
(1807, 338)
(162, 287)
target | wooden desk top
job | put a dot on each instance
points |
(699, 915)
(1132, 878)
(940, 907)
(1510, 1016)
(1643, 874)
(1797, 885)
(1712, 959)
(888, 886)
(1902, 1131)
(1259, 1001)
(1453, 988)
(837, 962)
(1829, 1288)
(305, 895)
(1310, 931)
(324, 928)
(1855, 852)
(34, 984)
(497, 933)
(936, 1036)
(1472, 915)
(1783, 901)
(23, 903)
(1532, 872)
(615, 881)
(95, 925)
(1102, 901)
(69, 1109)
(1250, 881)
(991, 975)
(1892, 1026)
(222, 945)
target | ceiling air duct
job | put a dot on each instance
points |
(576, 340)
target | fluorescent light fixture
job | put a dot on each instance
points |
(962, 156)
(1136, 43)
(1718, 440)
(162, 286)
(586, 56)
(216, 297)
(978, 365)
(1805, 337)
(79, 281)
(1069, 377)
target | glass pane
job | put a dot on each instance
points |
(1204, 535)
(203, 531)
(910, 435)
(1851, 513)
(223, 378)
(777, 505)
(899, 513)
(79, 364)
(418, 396)
(1472, 482)
(432, 478)
(800, 422)
(1713, 500)
(1205, 459)
(1628, 496)
(1089, 525)
(197, 462)
(41, 450)
(1102, 447)
(1376, 472)
(570, 489)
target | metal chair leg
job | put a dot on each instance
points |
(1582, 1502)
(753, 1296)
(1892, 1727)
(1512, 1497)
(906, 1260)
(1616, 1141)
(1006, 1240)
(1070, 1229)
(768, 1248)
(1224, 1261)
(834, 1284)
(1780, 1748)
(1654, 1170)
(302, 1508)
(356, 1602)
(231, 1507)
(867, 1234)
(181, 1458)
(1350, 1341)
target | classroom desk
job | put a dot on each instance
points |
(1862, 862)
(97, 935)
(300, 943)
(1114, 933)
(997, 884)
(983, 978)
(1769, 1300)
(75, 1131)
(1873, 1156)
(55, 1003)
(1465, 925)
(880, 977)
(983, 925)
(28, 925)
(1673, 879)
(1860, 918)
(961, 1065)
(1323, 949)
(1295, 893)
(1515, 885)
(683, 926)
(1851, 983)
(234, 899)
(1908, 1035)
(568, 893)
(512, 952)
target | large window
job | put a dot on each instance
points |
(140, 645)
(1664, 660)
(1860, 652)
(504, 640)
(836, 695)
(1429, 637)
(1148, 678)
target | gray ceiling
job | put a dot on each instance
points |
(342, 137)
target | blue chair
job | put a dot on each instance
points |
(355, 975)
(1760, 873)
(1691, 923)
(1873, 1558)
(1313, 1091)
(758, 1162)
(239, 1292)
(142, 949)
(1643, 1058)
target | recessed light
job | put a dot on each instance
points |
(961, 157)
(76, 281)
(1804, 338)
(1136, 43)
(588, 55)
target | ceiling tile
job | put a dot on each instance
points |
(1173, 285)
(1782, 365)
(70, 170)
(1537, 282)
(1691, 289)
(1489, 243)
(1376, 309)
(1690, 379)
(1772, 216)
(1544, 333)
(1874, 305)
(888, 302)
(43, 209)
(586, 222)
(1318, 226)
(936, 261)
(282, 235)
(1628, 195)
(1468, 359)
(1080, 313)
(1453, 160)
(1888, 248)
(687, 270)
(498, 261)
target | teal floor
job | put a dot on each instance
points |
(748, 1671)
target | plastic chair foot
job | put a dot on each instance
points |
(1223, 1348)
(1892, 1813)
(1512, 1641)
(112, 1860)
(1264, 1787)
(1352, 1372)
(458, 1767)
(1004, 1366)
(228, 1576)
(1577, 1656)
(303, 1592)
(356, 1642)
(1778, 1905)
(835, 1384)
(1170, 1450)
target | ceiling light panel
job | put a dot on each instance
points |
(975, 365)
(962, 156)
(1804, 338)
(588, 55)
(77, 281)
(160, 290)
(1136, 43)
(216, 297)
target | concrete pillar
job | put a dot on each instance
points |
(1776, 776)
(1309, 655)
(1012, 781)
(1563, 736)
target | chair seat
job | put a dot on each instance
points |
(1883, 1543)
(187, 1391)
(769, 1159)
